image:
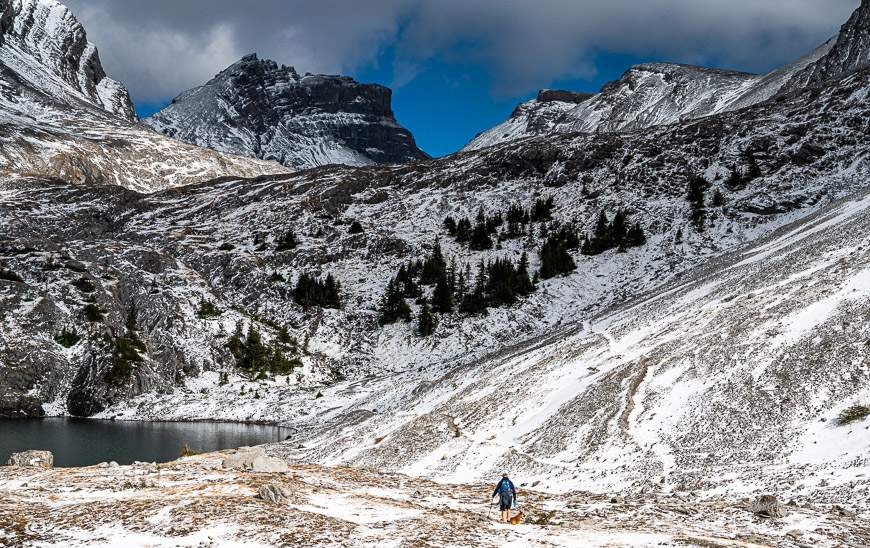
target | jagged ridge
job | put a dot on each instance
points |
(260, 109)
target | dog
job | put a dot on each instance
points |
(517, 519)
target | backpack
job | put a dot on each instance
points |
(504, 489)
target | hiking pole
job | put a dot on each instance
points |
(491, 502)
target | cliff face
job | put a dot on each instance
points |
(43, 42)
(260, 109)
(62, 117)
(851, 52)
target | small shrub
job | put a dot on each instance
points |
(126, 354)
(8, 275)
(223, 379)
(51, 264)
(853, 414)
(207, 309)
(186, 451)
(84, 285)
(226, 246)
(76, 267)
(93, 313)
(67, 338)
(319, 395)
(355, 228)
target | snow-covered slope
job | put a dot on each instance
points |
(44, 44)
(536, 117)
(259, 109)
(217, 241)
(665, 93)
(727, 380)
(60, 116)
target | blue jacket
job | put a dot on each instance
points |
(513, 491)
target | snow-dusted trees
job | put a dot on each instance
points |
(310, 291)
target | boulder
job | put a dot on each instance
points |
(273, 493)
(767, 506)
(255, 460)
(243, 457)
(269, 464)
(38, 459)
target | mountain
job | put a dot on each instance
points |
(851, 52)
(640, 365)
(45, 44)
(259, 109)
(693, 323)
(61, 116)
(654, 94)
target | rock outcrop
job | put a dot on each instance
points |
(260, 109)
(849, 53)
(32, 458)
(42, 40)
(62, 117)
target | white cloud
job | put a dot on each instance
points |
(161, 47)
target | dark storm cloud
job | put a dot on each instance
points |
(161, 47)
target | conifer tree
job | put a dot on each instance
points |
(695, 196)
(434, 266)
(555, 259)
(442, 296)
(287, 241)
(618, 230)
(427, 323)
(450, 226)
(718, 199)
(463, 230)
(480, 240)
(524, 284)
(393, 306)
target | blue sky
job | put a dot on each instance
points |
(457, 67)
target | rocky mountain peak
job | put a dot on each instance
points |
(562, 96)
(850, 53)
(43, 42)
(259, 108)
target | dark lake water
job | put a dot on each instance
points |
(82, 442)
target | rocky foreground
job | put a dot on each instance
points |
(198, 501)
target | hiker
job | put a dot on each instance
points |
(507, 493)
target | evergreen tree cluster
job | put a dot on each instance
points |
(287, 241)
(479, 235)
(310, 291)
(737, 180)
(498, 282)
(618, 233)
(254, 356)
(127, 351)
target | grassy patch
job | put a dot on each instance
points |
(186, 451)
(853, 414)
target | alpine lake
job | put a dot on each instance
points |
(85, 442)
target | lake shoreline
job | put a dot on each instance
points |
(86, 442)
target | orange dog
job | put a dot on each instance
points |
(517, 519)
